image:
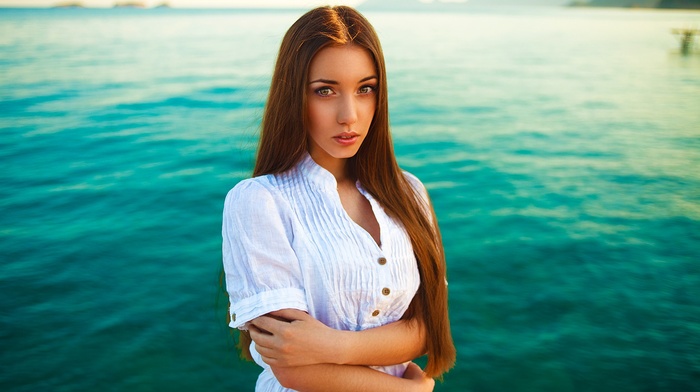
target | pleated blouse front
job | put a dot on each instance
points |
(289, 243)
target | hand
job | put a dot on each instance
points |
(290, 337)
(415, 373)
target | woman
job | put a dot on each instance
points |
(333, 259)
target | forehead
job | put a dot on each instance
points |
(342, 62)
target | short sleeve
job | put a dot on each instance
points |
(261, 269)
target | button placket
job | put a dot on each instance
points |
(383, 300)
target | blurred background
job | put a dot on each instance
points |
(560, 145)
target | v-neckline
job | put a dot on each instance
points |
(327, 181)
(379, 243)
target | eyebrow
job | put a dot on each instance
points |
(328, 81)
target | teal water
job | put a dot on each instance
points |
(561, 148)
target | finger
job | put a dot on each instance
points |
(260, 337)
(266, 353)
(263, 342)
(253, 329)
(255, 325)
(268, 360)
(290, 314)
(267, 324)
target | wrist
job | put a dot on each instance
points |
(345, 345)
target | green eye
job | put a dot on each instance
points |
(366, 89)
(324, 91)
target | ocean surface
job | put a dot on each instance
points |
(561, 148)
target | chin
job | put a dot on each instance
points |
(346, 154)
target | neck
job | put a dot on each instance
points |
(337, 167)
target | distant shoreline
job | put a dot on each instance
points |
(629, 7)
(581, 5)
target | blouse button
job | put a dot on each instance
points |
(386, 291)
(375, 313)
(381, 260)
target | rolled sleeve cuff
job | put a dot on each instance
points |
(265, 302)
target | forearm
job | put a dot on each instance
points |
(393, 343)
(340, 378)
(293, 338)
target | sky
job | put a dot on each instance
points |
(186, 3)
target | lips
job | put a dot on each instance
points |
(346, 135)
(346, 138)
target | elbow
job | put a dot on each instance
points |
(285, 376)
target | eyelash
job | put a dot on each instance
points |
(371, 88)
(319, 90)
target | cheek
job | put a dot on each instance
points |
(317, 114)
(368, 109)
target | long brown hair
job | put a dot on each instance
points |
(374, 165)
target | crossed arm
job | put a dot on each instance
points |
(306, 355)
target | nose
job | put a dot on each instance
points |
(347, 110)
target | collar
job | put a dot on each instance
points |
(316, 174)
(322, 178)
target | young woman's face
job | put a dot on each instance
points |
(341, 101)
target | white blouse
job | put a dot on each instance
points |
(289, 243)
